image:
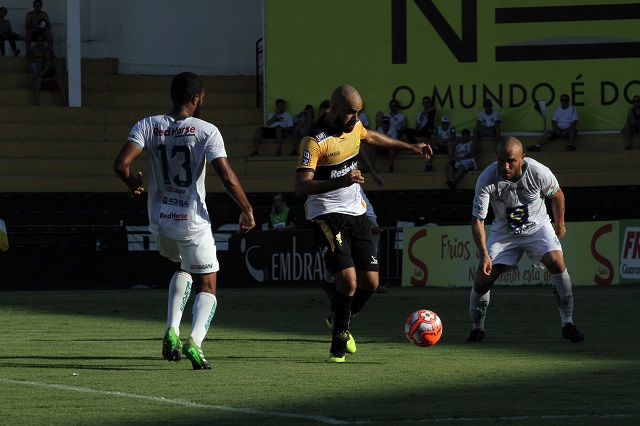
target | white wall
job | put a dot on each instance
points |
(209, 37)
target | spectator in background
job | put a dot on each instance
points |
(6, 33)
(303, 122)
(387, 130)
(399, 123)
(49, 76)
(324, 108)
(281, 217)
(425, 121)
(37, 25)
(364, 119)
(488, 124)
(279, 126)
(442, 137)
(463, 158)
(564, 122)
(633, 121)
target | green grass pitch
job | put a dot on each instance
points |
(93, 358)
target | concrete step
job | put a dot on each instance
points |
(226, 119)
(108, 182)
(127, 100)
(89, 66)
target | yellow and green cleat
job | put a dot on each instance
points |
(351, 343)
(195, 355)
(171, 346)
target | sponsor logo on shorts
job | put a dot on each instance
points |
(339, 239)
(205, 266)
(374, 261)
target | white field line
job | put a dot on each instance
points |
(321, 419)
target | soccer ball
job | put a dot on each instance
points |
(423, 327)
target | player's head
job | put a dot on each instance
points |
(510, 159)
(345, 106)
(37, 4)
(188, 88)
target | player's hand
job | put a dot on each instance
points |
(560, 230)
(246, 222)
(135, 185)
(425, 150)
(486, 265)
(354, 176)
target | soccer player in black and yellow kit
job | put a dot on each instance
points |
(327, 173)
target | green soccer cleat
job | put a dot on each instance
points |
(335, 359)
(195, 355)
(171, 346)
(351, 343)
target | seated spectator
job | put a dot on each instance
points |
(362, 116)
(399, 123)
(281, 217)
(442, 137)
(324, 108)
(463, 158)
(633, 121)
(37, 25)
(564, 122)
(279, 126)
(48, 76)
(425, 121)
(6, 33)
(386, 129)
(302, 124)
(488, 124)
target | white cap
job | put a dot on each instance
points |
(444, 119)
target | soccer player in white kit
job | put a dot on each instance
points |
(516, 189)
(179, 146)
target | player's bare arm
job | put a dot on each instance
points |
(233, 187)
(557, 207)
(122, 167)
(480, 238)
(379, 140)
(305, 185)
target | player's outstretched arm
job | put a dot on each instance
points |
(306, 185)
(557, 207)
(122, 167)
(232, 185)
(380, 140)
(480, 238)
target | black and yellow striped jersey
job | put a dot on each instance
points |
(331, 156)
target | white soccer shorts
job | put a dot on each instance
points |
(197, 255)
(507, 249)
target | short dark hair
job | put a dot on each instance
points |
(185, 86)
(3, 8)
(279, 101)
(325, 104)
(465, 132)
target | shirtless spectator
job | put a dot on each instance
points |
(37, 25)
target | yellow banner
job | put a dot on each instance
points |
(521, 55)
(446, 256)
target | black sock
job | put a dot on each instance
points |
(359, 299)
(340, 312)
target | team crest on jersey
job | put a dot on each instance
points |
(357, 142)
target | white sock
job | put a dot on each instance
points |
(561, 284)
(478, 308)
(179, 292)
(204, 307)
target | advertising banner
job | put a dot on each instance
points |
(446, 256)
(520, 55)
(285, 257)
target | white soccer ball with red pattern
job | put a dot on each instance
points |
(423, 327)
